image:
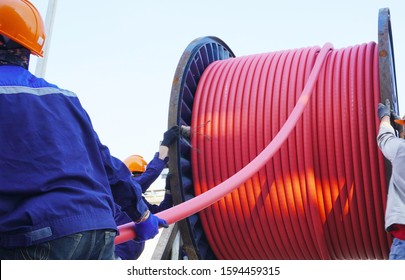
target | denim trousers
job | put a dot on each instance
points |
(397, 249)
(87, 245)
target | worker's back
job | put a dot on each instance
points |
(53, 181)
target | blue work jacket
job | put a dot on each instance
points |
(55, 175)
(152, 172)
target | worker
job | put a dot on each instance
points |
(145, 174)
(393, 148)
(135, 163)
(55, 175)
(132, 249)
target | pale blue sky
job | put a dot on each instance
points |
(120, 56)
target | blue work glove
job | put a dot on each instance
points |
(384, 110)
(170, 136)
(149, 228)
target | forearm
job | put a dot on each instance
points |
(130, 201)
(385, 121)
(163, 152)
(386, 139)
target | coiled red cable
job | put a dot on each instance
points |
(322, 195)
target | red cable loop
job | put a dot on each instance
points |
(317, 190)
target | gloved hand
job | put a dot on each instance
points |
(396, 125)
(149, 228)
(170, 136)
(384, 110)
(185, 131)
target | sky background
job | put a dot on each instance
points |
(120, 56)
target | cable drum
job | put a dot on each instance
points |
(322, 195)
(283, 161)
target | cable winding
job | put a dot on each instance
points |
(317, 190)
(322, 194)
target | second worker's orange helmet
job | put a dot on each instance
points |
(136, 163)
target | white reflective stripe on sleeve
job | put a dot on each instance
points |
(35, 91)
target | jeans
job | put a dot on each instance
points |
(87, 245)
(397, 249)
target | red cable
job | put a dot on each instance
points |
(209, 197)
(205, 180)
(248, 202)
(299, 157)
(318, 195)
(308, 245)
(343, 221)
(220, 168)
(314, 213)
(318, 190)
(379, 189)
(268, 212)
(331, 173)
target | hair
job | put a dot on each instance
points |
(12, 53)
(7, 44)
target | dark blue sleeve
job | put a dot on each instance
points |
(166, 203)
(121, 217)
(152, 207)
(152, 172)
(126, 192)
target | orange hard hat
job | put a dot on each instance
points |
(136, 163)
(21, 22)
(400, 121)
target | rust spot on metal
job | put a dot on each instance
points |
(383, 53)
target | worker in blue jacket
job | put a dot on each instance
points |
(55, 175)
(145, 174)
